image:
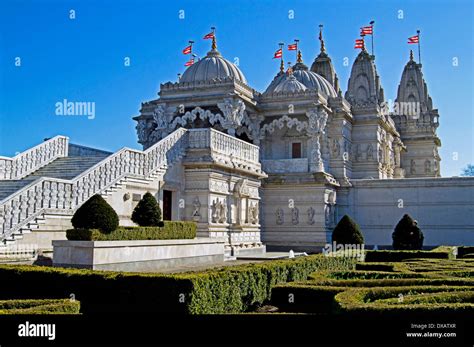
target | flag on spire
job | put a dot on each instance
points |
(189, 62)
(359, 44)
(414, 39)
(188, 50)
(293, 47)
(209, 36)
(368, 30)
(278, 54)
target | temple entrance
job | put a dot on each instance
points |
(167, 204)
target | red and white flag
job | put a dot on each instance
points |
(368, 30)
(414, 39)
(190, 62)
(293, 47)
(209, 36)
(278, 54)
(187, 50)
(359, 43)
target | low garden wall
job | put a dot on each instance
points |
(137, 255)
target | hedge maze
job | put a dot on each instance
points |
(439, 285)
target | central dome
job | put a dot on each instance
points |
(212, 66)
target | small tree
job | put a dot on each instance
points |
(407, 234)
(147, 213)
(96, 213)
(347, 232)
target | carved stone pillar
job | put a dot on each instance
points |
(316, 125)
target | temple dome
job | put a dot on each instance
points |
(313, 81)
(212, 66)
(289, 85)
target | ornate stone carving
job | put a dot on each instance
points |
(196, 214)
(311, 212)
(412, 166)
(370, 152)
(280, 216)
(253, 213)
(295, 215)
(233, 111)
(317, 120)
(281, 122)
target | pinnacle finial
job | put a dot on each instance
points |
(299, 58)
(323, 48)
(282, 66)
(290, 69)
(411, 55)
(214, 43)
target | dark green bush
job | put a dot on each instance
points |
(227, 290)
(39, 306)
(407, 235)
(147, 213)
(170, 231)
(95, 213)
(347, 232)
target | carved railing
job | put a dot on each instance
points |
(64, 196)
(228, 148)
(34, 158)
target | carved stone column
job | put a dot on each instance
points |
(316, 125)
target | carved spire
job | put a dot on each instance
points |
(299, 58)
(411, 55)
(282, 66)
(322, 65)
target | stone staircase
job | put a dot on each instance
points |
(45, 197)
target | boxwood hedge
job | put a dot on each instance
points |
(394, 256)
(170, 230)
(226, 290)
(39, 306)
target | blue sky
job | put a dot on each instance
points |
(83, 59)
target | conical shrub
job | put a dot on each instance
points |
(407, 234)
(96, 213)
(347, 232)
(147, 213)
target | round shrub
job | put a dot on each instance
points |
(407, 234)
(147, 213)
(96, 213)
(347, 232)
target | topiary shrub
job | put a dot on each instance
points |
(147, 213)
(96, 213)
(347, 232)
(407, 234)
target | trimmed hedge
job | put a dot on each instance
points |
(407, 235)
(227, 290)
(347, 232)
(95, 213)
(38, 306)
(147, 213)
(170, 231)
(394, 256)
(370, 301)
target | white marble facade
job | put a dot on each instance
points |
(312, 141)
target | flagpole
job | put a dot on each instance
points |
(191, 44)
(282, 64)
(296, 42)
(419, 49)
(372, 24)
